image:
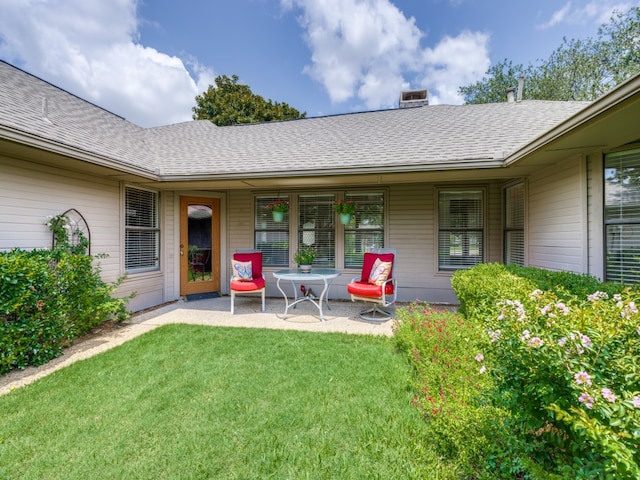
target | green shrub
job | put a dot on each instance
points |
(47, 299)
(444, 351)
(565, 367)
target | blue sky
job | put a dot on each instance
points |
(146, 60)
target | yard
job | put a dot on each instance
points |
(200, 402)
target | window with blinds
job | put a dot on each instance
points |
(514, 224)
(460, 228)
(366, 229)
(271, 237)
(622, 216)
(142, 231)
(316, 227)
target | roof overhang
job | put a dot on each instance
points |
(608, 123)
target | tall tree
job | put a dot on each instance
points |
(231, 103)
(576, 70)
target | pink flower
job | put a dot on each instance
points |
(562, 341)
(479, 357)
(483, 369)
(586, 341)
(582, 377)
(587, 400)
(536, 342)
(636, 402)
(608, 395)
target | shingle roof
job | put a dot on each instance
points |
(435, 136)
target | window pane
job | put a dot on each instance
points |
(316, 226)
(514, 225)
(271, 237)
(461, 223)
(623, 253)
(622, 216)
(366, 230)
(142, 235)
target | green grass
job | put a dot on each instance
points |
(192, 402)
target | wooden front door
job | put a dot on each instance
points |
(199, 245)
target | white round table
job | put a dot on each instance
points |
(326, 275)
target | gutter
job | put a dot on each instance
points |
(41, 143)
(469, 164)
(607, 101)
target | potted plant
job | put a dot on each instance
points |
(345, 209)
(305, 256)
(278, 209)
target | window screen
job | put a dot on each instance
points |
(514, 224)
(622, 216)
(316, 226)
(366, 229)
(460, 229)
(271, 237)
(142, 232)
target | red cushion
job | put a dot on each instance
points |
(247, 285)
(368, 261)
(254, 258)
(366, 289)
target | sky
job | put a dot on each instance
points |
(146, 60)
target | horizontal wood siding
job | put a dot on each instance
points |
(595, 199)
(556, 222)
(410, 227)
(31, 193)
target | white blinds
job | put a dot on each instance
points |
(460, 228)
(622, 216)
(316, 226)
(514, 224)
(366, 229)
(271, 237)
(142, 233)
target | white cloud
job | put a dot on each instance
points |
(593, 12)
(370, 51)
(91, 50)
(454, 62)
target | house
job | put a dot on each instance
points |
(542, 183)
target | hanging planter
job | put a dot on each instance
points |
(278, 209)
(345, 218)
(344, 209)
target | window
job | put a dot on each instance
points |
(316, 226)
(271, 237)
(312, 220)
(142, 232)
(622, 216)
(366, 229)
(514, 224)
(460, 228)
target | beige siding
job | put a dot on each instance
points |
(595, 199)
(31, 193)
(557, 220)
(410, 227)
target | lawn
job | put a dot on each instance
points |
(194, 402)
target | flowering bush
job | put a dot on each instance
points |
(278, 206)
(344, 206)
(570, 373)
(445, 353)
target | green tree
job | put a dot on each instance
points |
(576, 70)
(231, 103)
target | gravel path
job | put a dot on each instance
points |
(343, 317)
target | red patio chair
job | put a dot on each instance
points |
(379, 288)
(247, 276)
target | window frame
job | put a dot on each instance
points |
(508, 229)
(339, 230)
(149, 234)
(451, 268)
(622, 222)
